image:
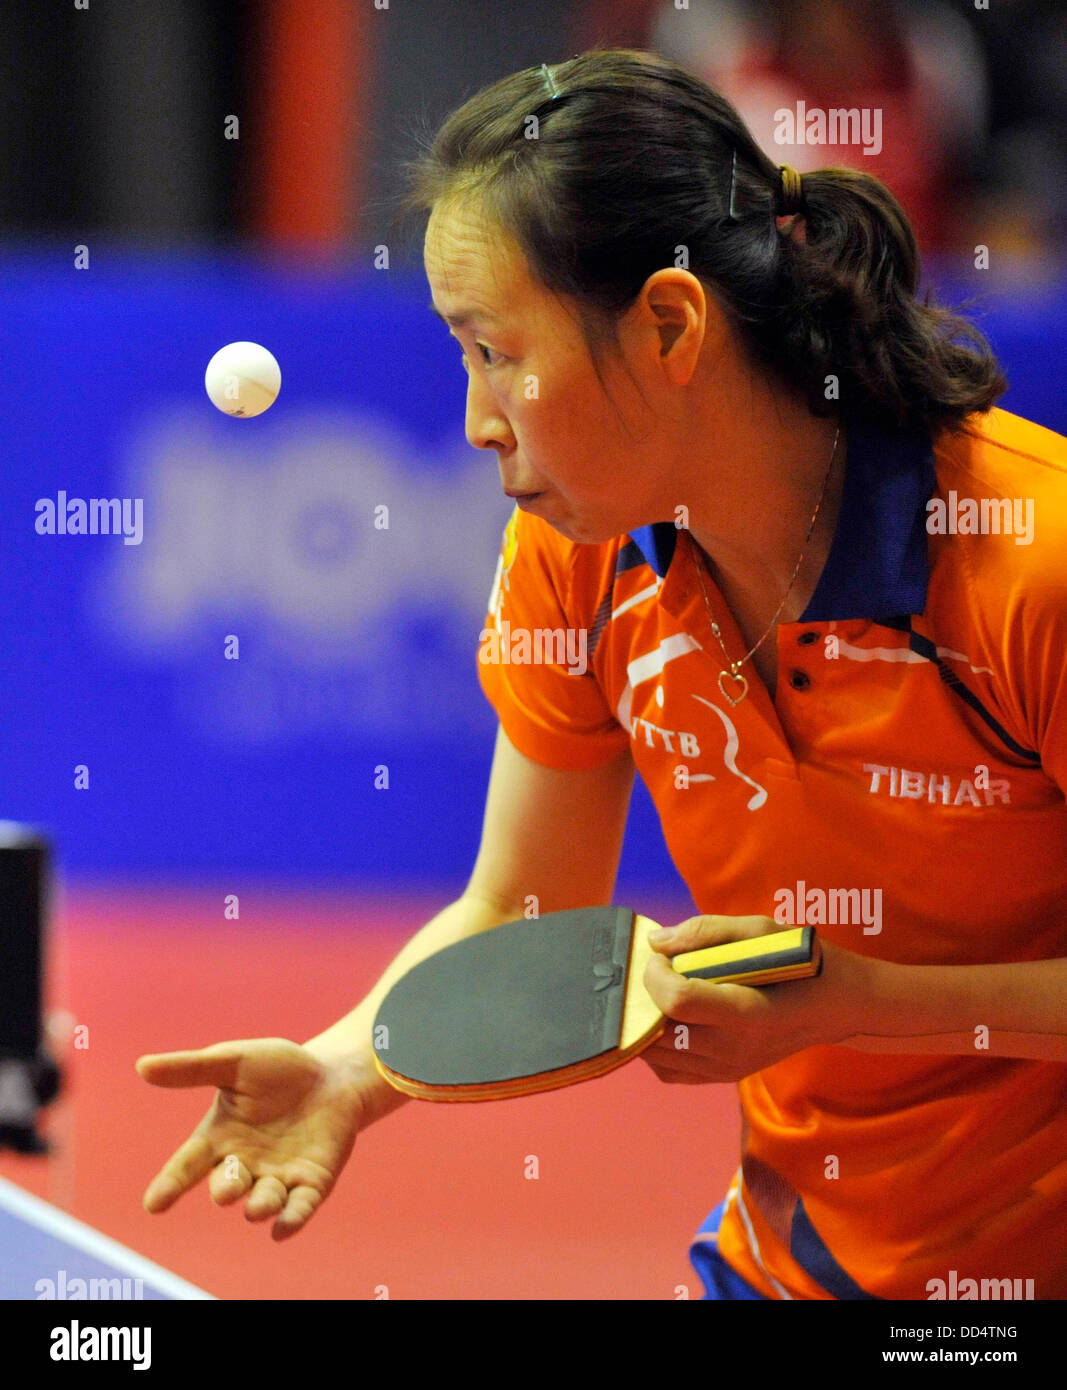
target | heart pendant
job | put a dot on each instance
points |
(739, 681)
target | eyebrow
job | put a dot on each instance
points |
(460, 320)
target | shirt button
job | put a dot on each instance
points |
(806, 638)
(799, 680)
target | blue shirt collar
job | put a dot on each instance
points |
(878, 565)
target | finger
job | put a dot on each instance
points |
(696, 932)
(665, 986)
(714, 1003)
(207, 1066)
(302, 1204)
(193, 1161)
(690, 1001)
(681, 1060)
(673, 1076)
(678, 1051)
(268, 1198)
(229, 1181)
(683, 1065)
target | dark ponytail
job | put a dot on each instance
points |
(637, 165)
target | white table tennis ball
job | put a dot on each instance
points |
(243, 379)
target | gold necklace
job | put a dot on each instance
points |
(734, 673)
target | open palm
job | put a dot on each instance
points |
(280, 1129)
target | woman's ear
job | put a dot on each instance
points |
(678, 310)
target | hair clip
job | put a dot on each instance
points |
(733, 214)
(549, 81)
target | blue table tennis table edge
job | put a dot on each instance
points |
(26, 1207)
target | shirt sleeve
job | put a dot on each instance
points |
(1045, 670)
(1031, 611)
(533, 654)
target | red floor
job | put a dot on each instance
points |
(434, 1202)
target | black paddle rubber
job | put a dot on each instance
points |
(518, 1000)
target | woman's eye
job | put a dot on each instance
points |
(487, 355)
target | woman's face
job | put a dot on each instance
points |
(592, 467)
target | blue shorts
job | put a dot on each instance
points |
(720, 1279)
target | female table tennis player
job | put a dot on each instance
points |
(741, 451)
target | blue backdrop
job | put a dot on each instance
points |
(357, 642)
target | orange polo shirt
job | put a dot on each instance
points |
(904, 791)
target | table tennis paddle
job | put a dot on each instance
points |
(546, 1002)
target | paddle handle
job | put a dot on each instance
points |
(794, 954)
